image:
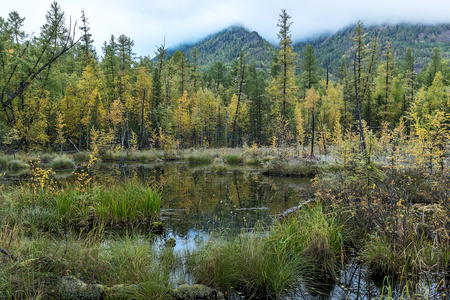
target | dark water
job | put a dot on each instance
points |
(196, 202)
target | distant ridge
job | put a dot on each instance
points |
(420, 38)
(225, 46)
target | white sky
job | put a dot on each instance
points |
(148, 22)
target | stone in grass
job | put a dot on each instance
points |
(171, 242)
(157, 228)
(196, 292)
(70, 287)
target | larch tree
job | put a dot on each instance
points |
(142, 89)
(410, 79)
(240, 83)
(86, 43)
(283, 87)
(311, 102)
(308, 64)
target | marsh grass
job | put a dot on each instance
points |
(143, 156)
(232, 159)
(308, 244)
(4, 161)
(61, 162)
(126, 203)
(129, 202)
(249, 264)
(81, 157)
(298, 168)
(218, 166)
(43, 259)
(199, 157)
(319, 238)
(16, 164)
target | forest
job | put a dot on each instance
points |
(57, 92)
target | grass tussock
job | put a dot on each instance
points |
(199, 157)
(15, 164)
(218, 166)
(320, 238)
(144, 156)
(309, 244)
(249, 264)
(62, 162)
(232, 159)
(295, 167)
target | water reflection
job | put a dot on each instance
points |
(197, 199)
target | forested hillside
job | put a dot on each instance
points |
(421, 38)
(225, 46)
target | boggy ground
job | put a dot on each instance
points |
(396, 217)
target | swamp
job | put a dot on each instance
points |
(111, 228)
(232, 168)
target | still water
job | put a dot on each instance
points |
(197, 202)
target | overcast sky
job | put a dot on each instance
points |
(148, 22)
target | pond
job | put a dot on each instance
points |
(197, 202)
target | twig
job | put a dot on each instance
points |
(6, 252)
(74, 145)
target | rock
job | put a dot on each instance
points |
(171, 242)
(196, 292)
(70, 287)
(157, 228)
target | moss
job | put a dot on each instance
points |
(196, 291)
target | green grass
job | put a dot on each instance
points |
(126, 203)
(232, 159)
(4, 161)
(115, 263)
(62, 162)
(199, 157)
(81, 157)
(249, 264)
(16, 164)
(218, 166)
(299, 168)
(320, 238)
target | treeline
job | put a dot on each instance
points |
(58, 93)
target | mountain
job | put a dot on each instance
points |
(420, 38)
(225, 46)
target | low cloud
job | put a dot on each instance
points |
(149, 23)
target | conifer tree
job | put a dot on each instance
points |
(309, 66)
(283, 87)
(86, 43)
